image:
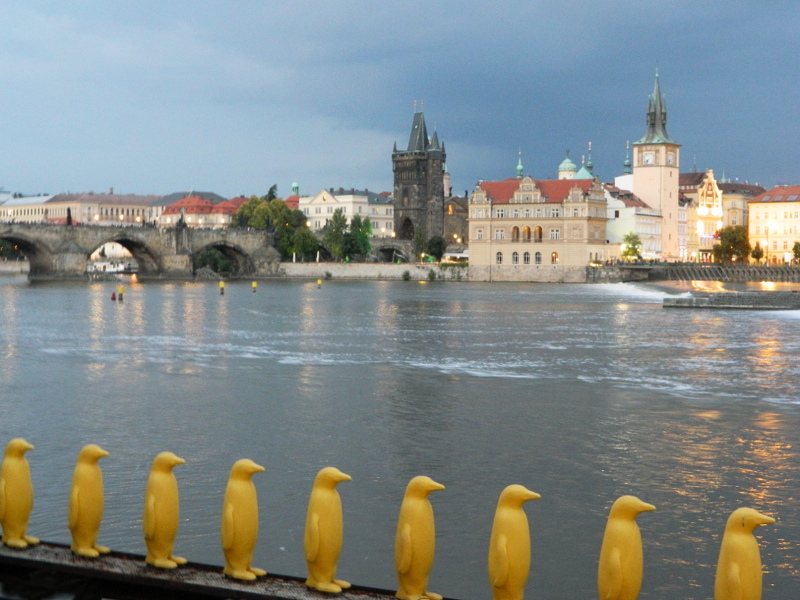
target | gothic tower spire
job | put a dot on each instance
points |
(656, 118)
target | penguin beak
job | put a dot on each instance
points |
(258, 468)
(103, 453)
(645, 507)
(765, 520)
(435, 486)
(27, 446)
(532, 495)
(344, 477)
(179, 461)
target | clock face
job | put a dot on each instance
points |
(648, 158)
(671, 158)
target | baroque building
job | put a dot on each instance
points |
(419, 181)
(521, 229)
(775, 223)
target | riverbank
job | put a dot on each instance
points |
(13, 267)
(413, 271)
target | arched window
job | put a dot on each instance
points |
(537, 234)
(526, 234)
(515, 234)
(499, 258)
(538, 258)
(515, 258)
(554, 258)
(526, 258)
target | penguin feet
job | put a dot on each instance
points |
(85, 551)
(161, 563)
(103, 549)
(432, 596)
(239, 574)
(178, 560)
(31, 540)
(342, 583)
(328, 587)
(257, 572)
(15, 542)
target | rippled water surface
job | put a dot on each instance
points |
(579, 392)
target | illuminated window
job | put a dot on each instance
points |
(554, 258)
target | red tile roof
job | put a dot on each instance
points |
(293, 202)
(191, 205)
(553, 190)
(228, 207)
(780, 193)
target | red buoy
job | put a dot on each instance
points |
(113, 296)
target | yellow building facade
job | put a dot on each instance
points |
(775, 223)
(521, 229)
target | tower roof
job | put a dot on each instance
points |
(418, 141)
(656, 118)
(567, 164)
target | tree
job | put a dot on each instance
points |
(362, 230)
(632, 243)
(213, 259)
(350, 247)
(333, 233)
(437, 247)
(734, 244)
(305, 243)
(757, 253)
(796, 251)
(253, 213)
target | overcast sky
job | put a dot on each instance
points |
(232, 97)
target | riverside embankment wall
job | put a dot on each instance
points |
(370, 271)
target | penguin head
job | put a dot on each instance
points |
(330, 476)
(516, 495)
(421, 486)
(18, 447)
(165, 461)
(627, 507)
(746, 520)
(91, 453)
(245, 468)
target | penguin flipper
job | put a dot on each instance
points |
(2, 498)
(614, 573)
(149, 517)
(734, 582)
(311, 540)
(74, 507)
(405, 551)
(228, 534)
(499, 562)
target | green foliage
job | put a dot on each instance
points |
(351, 249)
(796, 251)
(305, 243)
(406, 275)
(362, 230)
(333, 233)
(431, 275)
(633, 245)
(757, 253)
(437, 246)
(253, 213)
(328, 275)
(734, 244)
(213, 259)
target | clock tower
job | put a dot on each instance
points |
(656, 162)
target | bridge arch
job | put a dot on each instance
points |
(144, 256)
(242, 262)
(40, 258)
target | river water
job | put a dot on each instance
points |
(581, 393)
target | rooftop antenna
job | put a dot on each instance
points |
(415, 106)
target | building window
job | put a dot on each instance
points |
(554, 258)
(555, 234)
(515, 234)
(515, 258)
(556, 212)
(499, 234)
(526, 258)
(516, 212)
(501, 212)
(538, 258)
(616, 214)
(479, 234)
(499, 258)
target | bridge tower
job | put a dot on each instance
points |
(419, 184)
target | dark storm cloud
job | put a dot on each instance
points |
(236, 96)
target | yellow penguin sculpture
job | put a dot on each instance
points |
(16, 495)
(324, 531)
(619, 572)
(86, 503)
(240, 521)
(415, 541)
(162, 512)
(510, 544)
(739, 565)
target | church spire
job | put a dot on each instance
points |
(520, 168)
(626, 166)
(656, 118)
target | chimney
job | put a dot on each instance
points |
(111, 191)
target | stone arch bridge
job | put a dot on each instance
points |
(63, 251)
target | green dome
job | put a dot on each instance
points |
(567, 165)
